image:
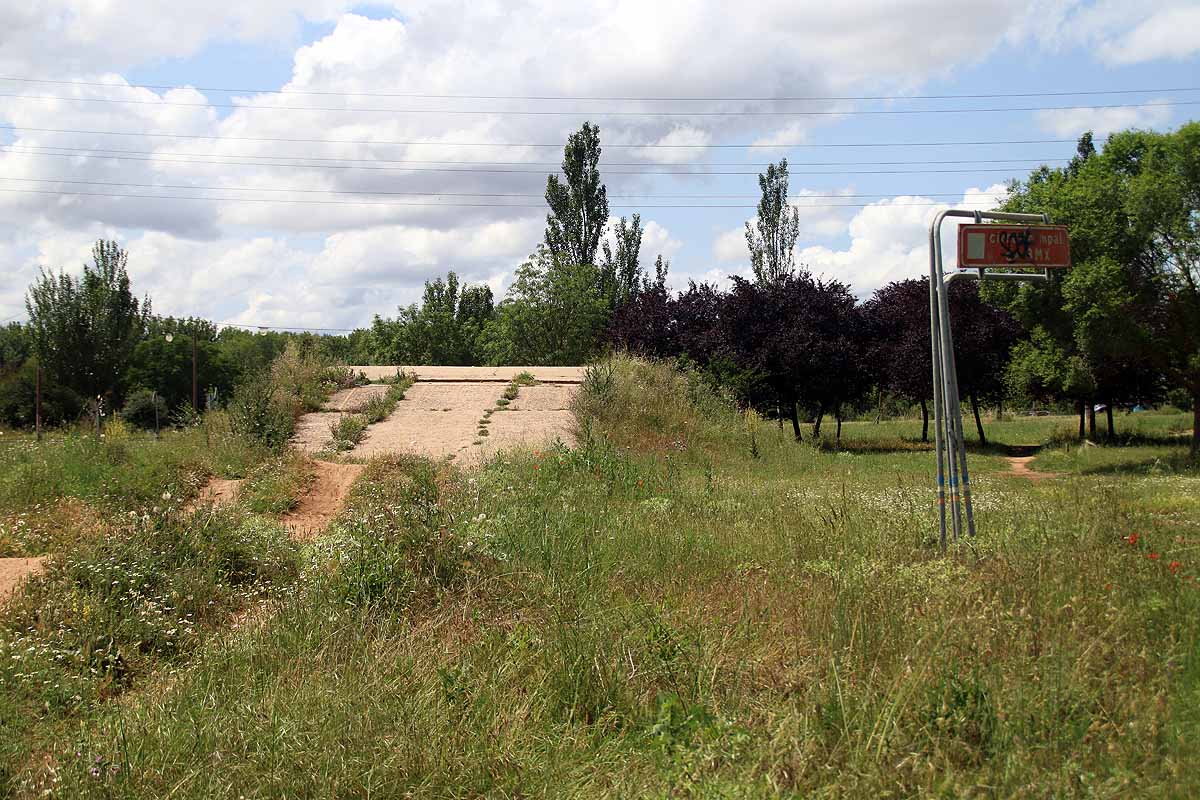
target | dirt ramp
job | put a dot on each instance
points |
(15, 570)
(436, 419)
(218, 492)
(323, 500)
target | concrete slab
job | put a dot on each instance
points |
(476, 374)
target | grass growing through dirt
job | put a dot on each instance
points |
(349, 430)
(688, 604)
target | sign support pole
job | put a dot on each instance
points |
(949, 439)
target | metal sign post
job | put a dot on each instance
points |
(1034, 243)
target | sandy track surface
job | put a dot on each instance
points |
(323, 499)
(355, 399)
(15, 570)
(312, 430)
(476, 374)
(1019, 465)
(433, 419)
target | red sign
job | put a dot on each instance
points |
(1043, 246)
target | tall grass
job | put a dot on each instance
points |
(666, 610)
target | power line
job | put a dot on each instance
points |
(558, 145)
(492, 170)
(410, 205)
(284, 328)
(809, 98)
(595, 112)
(452, 194)
(36, 148)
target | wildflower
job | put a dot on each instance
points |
(1153, 556)
(1174, 567)
(1108, 587)
(1133, 538)
(166, 496)
(535, 466)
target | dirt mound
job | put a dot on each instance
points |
(217, 492)
(15, 570)
(323, 500)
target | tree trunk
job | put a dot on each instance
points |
(796, 423)
(817, 422)
(1091, 411)
(838, 414)
(878, 404)
(978, 423)
(1000, 410)
(1112, 432)
(924, 421)
(1081, 431)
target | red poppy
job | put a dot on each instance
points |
(1174, 566)
(1153, 556)
(1133, 538)
(535, 466)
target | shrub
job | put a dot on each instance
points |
(146, 410)
(60, 405)
(302, 375)
(257, 411)
(347, 432)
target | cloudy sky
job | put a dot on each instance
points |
(309, 163)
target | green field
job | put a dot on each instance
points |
(685, 604)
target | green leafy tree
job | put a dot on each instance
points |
(444, 329)
(772, 240)
(85, 329)
(1160, 183)
(621, 275)
(554, 314)
(578, 206)
(1095, 321)
(15, 347)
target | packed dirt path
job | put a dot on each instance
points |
(323, 499)
(1018, 463)
(14, 570)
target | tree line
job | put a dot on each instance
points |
(1121, 328)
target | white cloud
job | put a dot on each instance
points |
(1118, 32)
(1101, 121)
(889, 240)
(730, 246)
(1170, 33)
(357, 251)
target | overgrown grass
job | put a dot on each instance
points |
(138, 598)
(274, 486)
(52, 492)
(689, 603)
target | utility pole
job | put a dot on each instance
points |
(195, 386)
(37, 402)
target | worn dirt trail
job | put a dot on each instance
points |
(15, 570)
(323, 499)
(1018, 463)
